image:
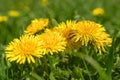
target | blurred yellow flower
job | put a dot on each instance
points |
(36, 25)
(13, 13)
(89, 32)
(24, 49)
(52, 42)
(98, 11)
(3, 18)
(66, 29)
(44, 2)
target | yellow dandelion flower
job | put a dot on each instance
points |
(103, 40)
(23, 49)
(3, 18)
(13, 13)
(36, 25)
(89, 32)
(67, 29)
(98, 11)
(52, 42)
(44, 2)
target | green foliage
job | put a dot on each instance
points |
(74, 66)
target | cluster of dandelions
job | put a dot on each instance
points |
(65, 35)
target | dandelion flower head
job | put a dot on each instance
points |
(24, 49)
(98, 11)
(44, 2)
(13, 13)
(3, 18)
(36, 25)
(66, 29)
(52, 42)
(89, 32)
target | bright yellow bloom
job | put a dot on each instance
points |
(67, 29)
(3, 18)
(98, 11)
(23, 49)
(52, 42)
(36, 25)
(89, 32)
(13, 13)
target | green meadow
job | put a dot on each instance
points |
(82, 63)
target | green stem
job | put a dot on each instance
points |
(85, 52)
(109, 63)
(96, 65)
(82, 77)
(36, 76)
(87, 69)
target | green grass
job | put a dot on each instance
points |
(75, 66)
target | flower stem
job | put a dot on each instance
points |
(85, 64)
(82, 77)
(86, 69)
